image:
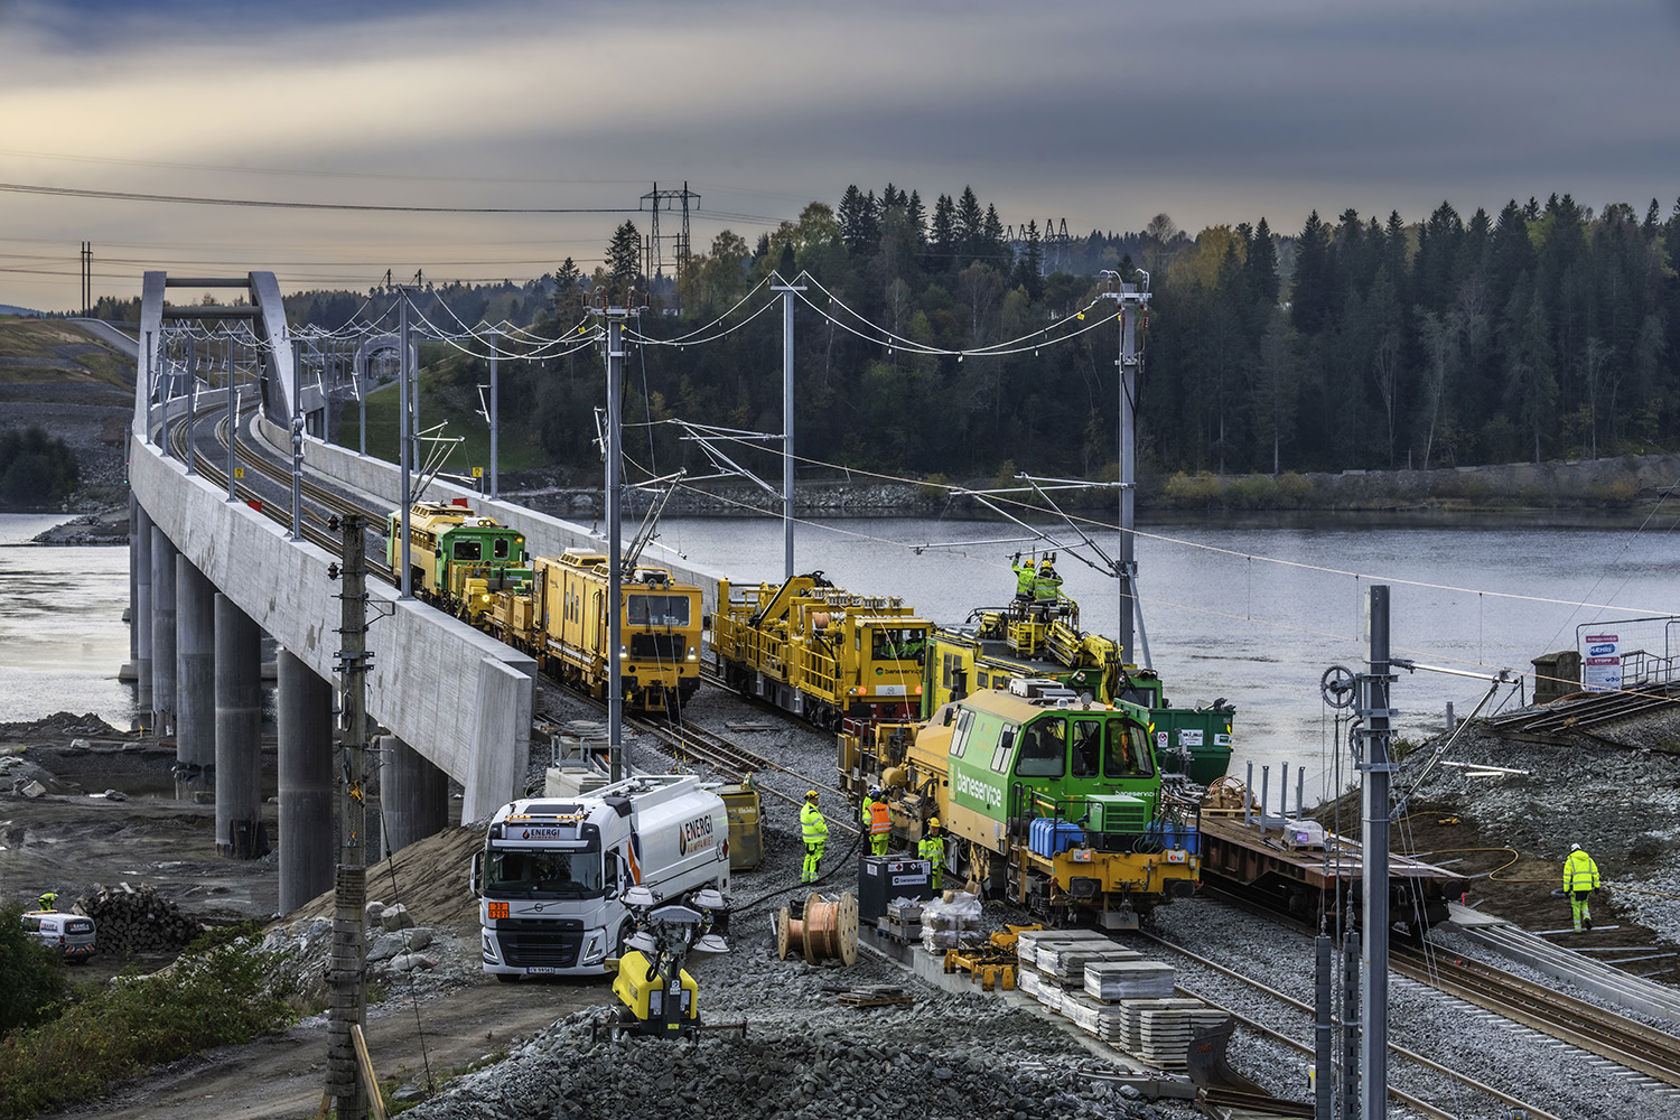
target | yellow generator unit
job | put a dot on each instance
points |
(651, 1005)
(819, 651)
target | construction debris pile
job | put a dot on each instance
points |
(806, 1054)
(136, 919)
(399, 952)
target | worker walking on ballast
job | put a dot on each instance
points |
(813, 829)
(878, 820)
(1580, 879)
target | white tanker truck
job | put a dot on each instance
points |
(553, 871)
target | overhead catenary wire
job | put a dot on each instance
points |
(884, 337)
(298, 204)
(691, 335)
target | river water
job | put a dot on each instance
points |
(1256, 614)
(62, 637)
(1251, 613)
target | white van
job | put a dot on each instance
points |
(70, 934)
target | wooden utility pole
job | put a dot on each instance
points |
(348, 1007)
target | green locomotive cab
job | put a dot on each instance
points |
(458, 558)
(1058, 803)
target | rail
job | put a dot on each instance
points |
(1531, 1111)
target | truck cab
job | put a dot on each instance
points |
(553, 872)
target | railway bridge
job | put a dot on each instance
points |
(210, 573)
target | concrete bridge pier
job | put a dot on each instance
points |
(195, 674)
(140, 613)
(238, 758)
(307, 844)
(133, 587)
(414, 793)
(163, 633)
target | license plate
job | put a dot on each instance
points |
(543, 971)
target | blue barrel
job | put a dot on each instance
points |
(1170, 834)
(1049, 837)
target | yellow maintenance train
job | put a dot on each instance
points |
(819, 651)
(555, 608)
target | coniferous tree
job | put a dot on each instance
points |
(942, 235)
(624, 260)
(1261, 264)
(970, 229)
(1310, 297)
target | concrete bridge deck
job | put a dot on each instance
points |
(210, 574)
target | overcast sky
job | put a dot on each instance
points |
(1101, 113)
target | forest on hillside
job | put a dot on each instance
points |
(1542, 331)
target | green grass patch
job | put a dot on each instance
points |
(52, 350)
(517, 442)
(212, 998)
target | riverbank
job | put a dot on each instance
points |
(1599, 492)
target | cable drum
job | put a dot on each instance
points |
(827, 931)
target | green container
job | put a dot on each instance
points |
(1203, 733)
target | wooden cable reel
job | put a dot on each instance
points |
(829, 930)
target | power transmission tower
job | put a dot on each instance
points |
(653, 250)
(1055, 252)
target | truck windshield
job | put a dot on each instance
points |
(539, 874)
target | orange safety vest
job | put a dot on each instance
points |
(880, 820)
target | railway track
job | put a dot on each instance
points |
(1580, 714)
(313, 526)
(687, 742)
(1595, 1029)
(1399, 1095)
(1585, 1025)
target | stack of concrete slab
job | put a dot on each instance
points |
(1093, 1016)
(1067, 961)
(1159, 1030)
(1110, 980)
(1041, 988)
(1029, 943)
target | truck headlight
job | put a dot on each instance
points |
(594, 948)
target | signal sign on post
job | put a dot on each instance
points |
(238, 472)
(1601, 663)
(478, 472)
